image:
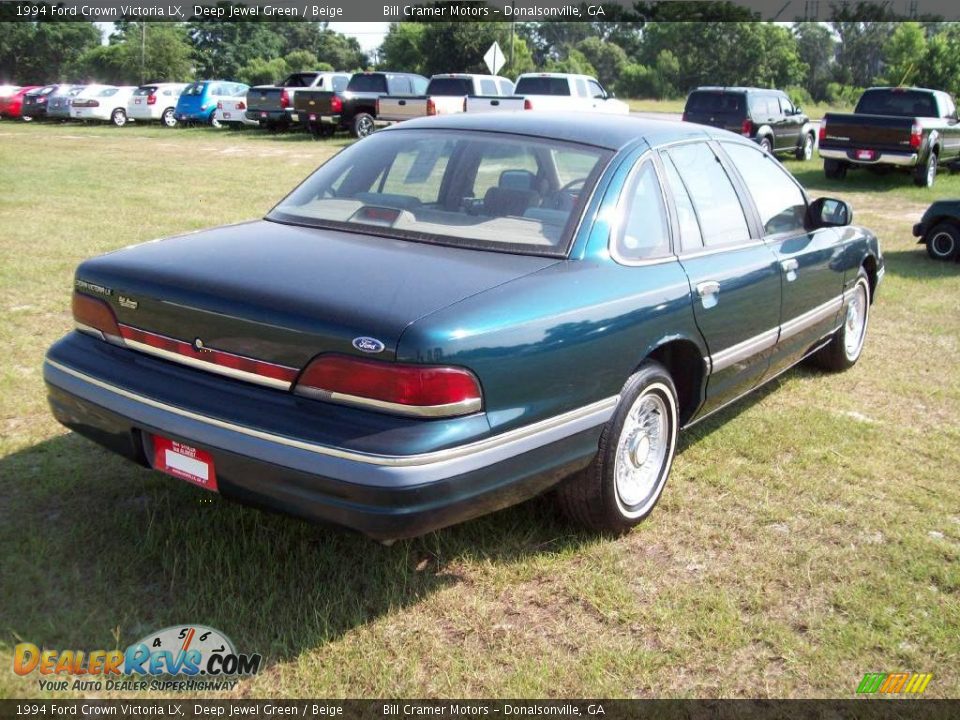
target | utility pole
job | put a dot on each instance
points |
(513, 25)
(143, 51)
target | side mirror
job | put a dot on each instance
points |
(829, 212)
(797, 110)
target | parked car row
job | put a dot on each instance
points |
(167, 103)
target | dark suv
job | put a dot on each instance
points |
(765, 116)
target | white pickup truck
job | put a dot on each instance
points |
(445, 95)
(552, 91)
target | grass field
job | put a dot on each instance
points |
(808, 535)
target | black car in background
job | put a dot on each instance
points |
(354, 109)
(768, 117)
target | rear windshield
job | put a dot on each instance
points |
(299, 80)
(194, 89)
(466, 189)
(145, 90)
(450, 86)
(901, 103)
(367, 83)
(715, 102)
(542, 86)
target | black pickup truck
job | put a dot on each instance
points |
(355, 108)
(912, 129)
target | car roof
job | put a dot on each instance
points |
(738, 89)
(600, 130)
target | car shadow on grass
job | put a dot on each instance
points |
(916, 264)
(99, 552)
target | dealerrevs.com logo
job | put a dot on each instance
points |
(204, 656)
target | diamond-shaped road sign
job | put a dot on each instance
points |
(494, 58)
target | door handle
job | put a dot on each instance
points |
(402, 102)
(709, 293)
(790, 268)
(708, 288)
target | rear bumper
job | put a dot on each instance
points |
(306, 117)
(274, 116)
(191, 116)
(884, 158)
(386, 496)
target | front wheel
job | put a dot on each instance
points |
(626, 478)
(766, 145)
(169, 119)
(362, 125)
(846, 345)
(943, 241)
(926, 174)
(119, 117)
(834, 169)
(213, 120)
(805, 151)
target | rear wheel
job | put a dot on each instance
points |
(766, 145)
(834, 169)
(626, 479)
(943, 241)
(119, 117)
(169, 119)
(805, 150)
(27, 118)
(846, 345)
(926, 174)
(362, 125)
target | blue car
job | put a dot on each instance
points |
(198, 101)
(464, 311)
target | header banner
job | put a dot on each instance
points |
(476, 11)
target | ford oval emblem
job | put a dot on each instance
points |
(368, 345)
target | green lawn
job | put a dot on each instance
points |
(808, 535)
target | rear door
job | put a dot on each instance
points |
(734, 276)
(789, 124)
(811, 276)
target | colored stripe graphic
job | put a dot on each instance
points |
(893, 683)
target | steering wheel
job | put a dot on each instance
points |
(573, 187)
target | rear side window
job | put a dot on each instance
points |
(722, 221)
(691, 239)
(340, 83)
(779, 201)
(144, 91)
(455, 87)
(488, 87)
(299, 80)
(715, 102)
(367, 83)
(543, 86)
(506, 87)
(644, 234)
(764, 106)
(581, 87)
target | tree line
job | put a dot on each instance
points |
(826, 62)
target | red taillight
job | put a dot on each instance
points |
(336, 104)
(916, 135)
(421, 390)
(431, 107)
(284, 99)
(822, 133)
(241, 105)
(95, 317)
(527, 104)
(746, 129)
(151, 100)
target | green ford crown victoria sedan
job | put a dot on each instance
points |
(461, 312)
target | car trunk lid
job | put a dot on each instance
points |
(280, 294)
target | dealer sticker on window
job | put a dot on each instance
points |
(184, 462)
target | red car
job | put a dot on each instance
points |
(12, 105)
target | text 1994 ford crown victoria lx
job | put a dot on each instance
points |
(461, 312)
